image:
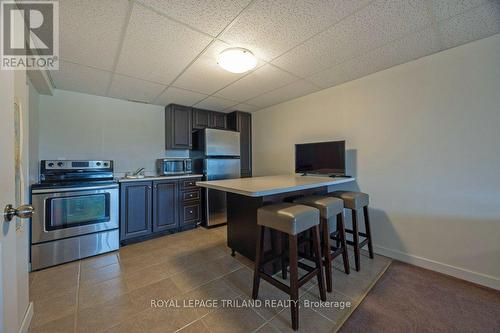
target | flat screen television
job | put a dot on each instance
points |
(320, 158)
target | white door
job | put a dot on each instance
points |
(11, 311)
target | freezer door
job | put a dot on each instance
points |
(222, 142)
(215, 205)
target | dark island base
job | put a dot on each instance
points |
(242, 223)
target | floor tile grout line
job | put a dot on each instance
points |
(75, 322)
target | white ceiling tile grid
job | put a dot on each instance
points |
(263, 79)
(136, 49)
(205, 75)
(133, 89)
(379, 23)
(90, 31)
(81, 78)
(210, 16)
(242, 107)
(215, 103)
(179, 96)
(156, 48)
(270, 27)
(443, 9)
(414, 46)
(477, 23)
(288, 92)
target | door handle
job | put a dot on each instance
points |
(23, 212)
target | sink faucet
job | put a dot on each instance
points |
(138, 171)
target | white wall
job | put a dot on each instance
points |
(79, 126)
(424, 142)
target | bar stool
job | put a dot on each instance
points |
(330, 207)
(290, 219)
(356, 201)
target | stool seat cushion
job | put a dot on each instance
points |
(328, 206)
(352, 200)
(289, 218)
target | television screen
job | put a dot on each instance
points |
(320, 158)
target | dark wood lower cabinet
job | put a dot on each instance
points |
(165, 205)
(135, 210)
(152, 208)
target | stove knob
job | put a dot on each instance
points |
(51, 164)
(60, 164)
(105, 164)
(98, 164)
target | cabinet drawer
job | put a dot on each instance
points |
(191, 195)
(189, 184)
(191, 213)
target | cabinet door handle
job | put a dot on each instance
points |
(190, 212)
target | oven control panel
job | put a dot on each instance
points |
(75, 165)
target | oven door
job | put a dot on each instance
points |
(62, 213)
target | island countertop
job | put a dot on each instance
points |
(270, 185)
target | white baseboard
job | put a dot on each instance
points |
(464, 274)
(25, 325)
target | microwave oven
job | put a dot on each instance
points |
(174, 166)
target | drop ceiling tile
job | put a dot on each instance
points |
(210, 16)
(157, 49)
(375, 25)
(205, 75)
(90, 31)
(475, 24)
(263, 79)
(443, 9)
(179, 96)
(412, 47)
(81, 78)
(243, 107)
(286, 93)
(215, 103)
(129, 88)
(269, 28)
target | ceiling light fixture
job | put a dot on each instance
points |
(237, 60)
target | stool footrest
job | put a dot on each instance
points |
(361, 244)
(350, 231)
(280, 285)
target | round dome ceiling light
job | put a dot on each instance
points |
(237, 60)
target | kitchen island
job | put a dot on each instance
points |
(245, 195)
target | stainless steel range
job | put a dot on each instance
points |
(77, 212)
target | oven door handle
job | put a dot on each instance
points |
(72, 189)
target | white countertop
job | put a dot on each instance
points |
(148, 178)
(269, 185)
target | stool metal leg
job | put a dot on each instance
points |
(355, 235)
(368, 231)
(258, 259)
(343, 243)
(327, 254)
(319, 262)
(294, 280)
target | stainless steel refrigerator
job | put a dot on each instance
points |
(220, 156)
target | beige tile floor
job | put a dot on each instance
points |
(113, 292)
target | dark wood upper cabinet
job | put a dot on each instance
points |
(135, 210)
(242, 122)
(165, 205)
(217, 120)
(200, 118)
(178, 127)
